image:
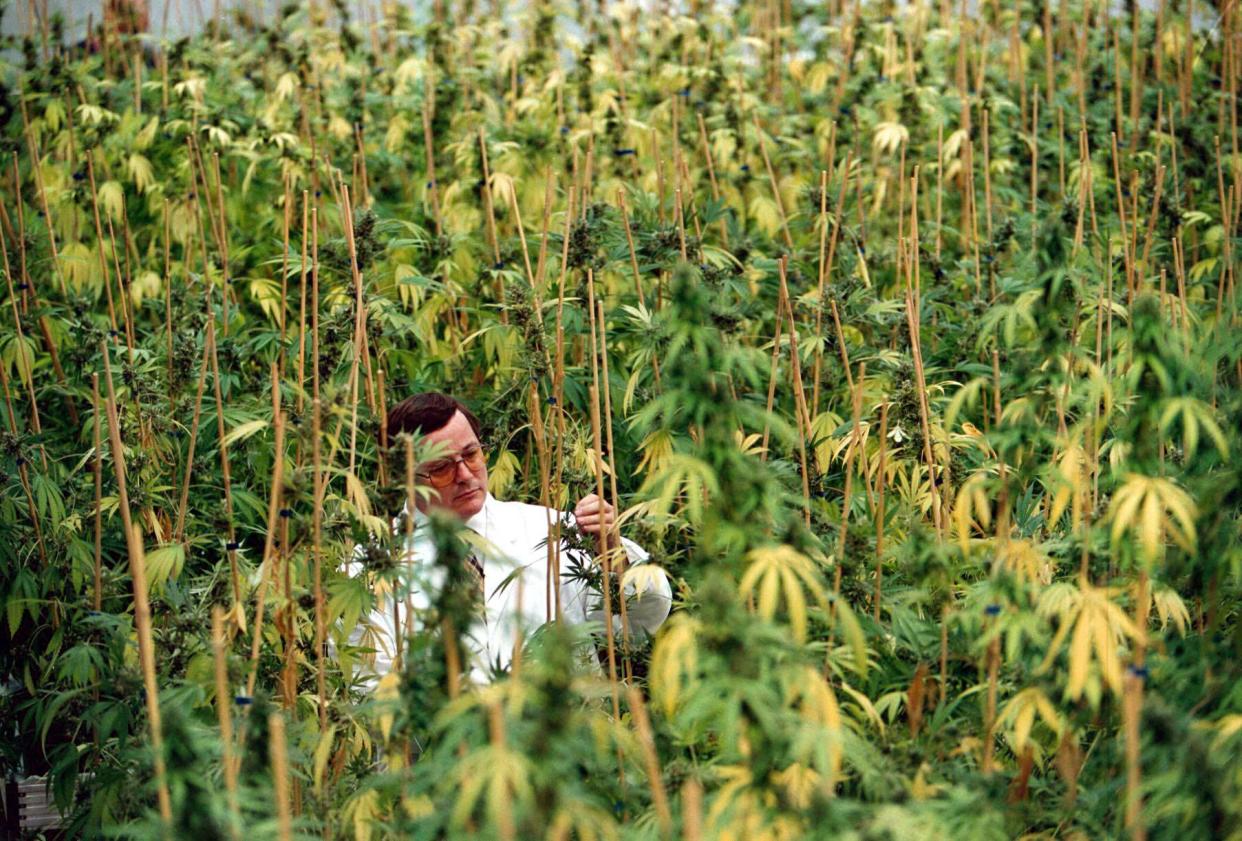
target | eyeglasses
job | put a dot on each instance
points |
(441, 473)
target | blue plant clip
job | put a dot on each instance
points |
(992, 610)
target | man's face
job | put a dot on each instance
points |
(465, 493)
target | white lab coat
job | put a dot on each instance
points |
(511, 548)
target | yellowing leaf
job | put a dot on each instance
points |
(1021, 711)
(777, 571)
(323, 750)
(164, 563)
(889, 136)
(501, 474)
(140, 172)
(674, 662)
(1153, 506)
(1097, 623)
(111, 199)
(244, 431)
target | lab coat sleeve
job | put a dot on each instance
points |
(648, 595)
(377, 629)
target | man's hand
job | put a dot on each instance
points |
(593, 513)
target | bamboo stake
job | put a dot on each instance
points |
(659, 797)
(26, 279)
(284, 271)
(27, 380)
(315, 303)
(825, 272)
(142, 607)
(239, 614)
(1226, 240)
(655, 144)
(692, 810)
(614, 531)
(854, 448)
(359, 332)
(987, 172)
(146, 646)
(530, 274)
(1060, 148)
(20, 236)
(362, 163)
(711, 175)
(545, 492)
(819, 297)
(913, 320)
(224, 700)
(273, 508)
(679, 215)
(776, 352)
(971, 223)
(558, 388)
(487, 202)
(989, 716)
(97, 469)
(21, 467)
(1151, 216)
(317, 561)
(123, 287)
(36, 166)
(179, 530)
(879, 517)
(940, 186)
(1125, 236)
(224, 232)
(168, 321)
(280, 775)
(776, 191)
(1034, 163)
(302, 303)
(604, 556)
(99, 239)
(800, 409)
(429, 151)
(629, 239)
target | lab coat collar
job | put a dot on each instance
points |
(476, 524)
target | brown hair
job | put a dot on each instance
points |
(426, 412)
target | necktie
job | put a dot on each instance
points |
(476, 570)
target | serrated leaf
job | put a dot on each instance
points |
(244, 430)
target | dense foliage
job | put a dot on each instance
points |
(915, 338)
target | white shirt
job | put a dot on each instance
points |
(514, 557)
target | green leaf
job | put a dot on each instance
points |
(164, 563)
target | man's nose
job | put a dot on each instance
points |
(463, 469)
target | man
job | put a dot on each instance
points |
(512, 555)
